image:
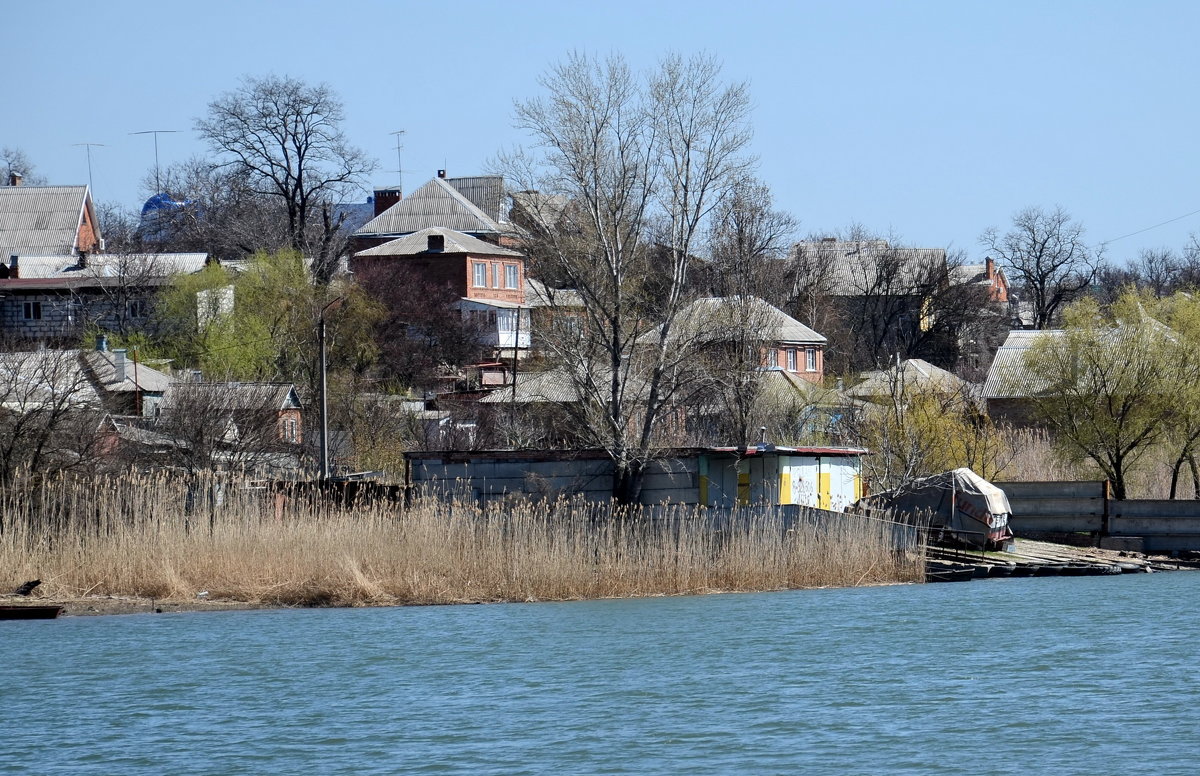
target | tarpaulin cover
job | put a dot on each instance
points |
(959, 501)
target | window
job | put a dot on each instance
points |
(507, 320)
(773, 358)
(495, 275)
(810, 359)
(479, 274)
(33, 311)
(511, 275)
(791, 358)
(138, 308)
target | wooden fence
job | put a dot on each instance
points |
(1147, 525)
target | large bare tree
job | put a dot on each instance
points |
(642, 162)
(286, 137)
(1045, 253)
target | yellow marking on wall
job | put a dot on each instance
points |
(704, 489)
(857, 487)
(785, 488)
(743, 488)
(823, 490)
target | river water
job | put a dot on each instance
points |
(1084, 675)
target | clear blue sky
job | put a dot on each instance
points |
(931, 120)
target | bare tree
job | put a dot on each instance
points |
(1045, 253)
(14, 160)
(746, 239)
(640, 164)
(49, 414)
(285, 136)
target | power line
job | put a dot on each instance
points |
(1148, 228)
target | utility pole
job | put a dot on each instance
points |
(335, 304)
(156, 133)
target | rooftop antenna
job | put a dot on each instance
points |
(89, 156)
(399, 166)
(156, 133)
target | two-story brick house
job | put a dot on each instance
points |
(488, 280)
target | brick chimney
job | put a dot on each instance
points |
(15, 178)
(14, 266)
(385, 198)
(989, 268)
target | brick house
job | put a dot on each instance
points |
(488, 280)
(472, 205)
(46, 221)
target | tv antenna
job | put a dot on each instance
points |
(399, 167)
(156, 133)
(89, 157)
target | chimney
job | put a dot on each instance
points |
(828, 239)
(441, 173)
(119, 364)
(15, 178)
(385, 198)
(14, 267)
(989, 268)
(436, 243)
(83, 259)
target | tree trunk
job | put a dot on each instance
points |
(627, 481)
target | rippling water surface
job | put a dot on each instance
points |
(1055, 675)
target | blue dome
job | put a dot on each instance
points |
(161, 201)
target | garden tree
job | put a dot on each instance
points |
(746, 239)
(1181, 313)
(1106, 385)
(14, 160)
(259, 322)
(49, 414)
(1045, 256)
(920, 430)
(213, 209)
(638, 161)
(119, 227)
(422, 334)
(285, 136)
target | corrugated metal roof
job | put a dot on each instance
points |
(712, 318)
(538, 294)
(104, 366)
(854, 267)
(486, 192)
(1007, 377)
(41, 220)
(554, 386)
(240, 396)
(144, 266)
(454, 242)
(913, 373)
(30, 380)
(436, 204)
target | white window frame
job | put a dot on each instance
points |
(496, 277)
(479, 271)
(773, 358)
(512, 276)
(791, 360)
(810, 360)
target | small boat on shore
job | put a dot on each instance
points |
(29, 612)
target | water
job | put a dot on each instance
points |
(1056, 675)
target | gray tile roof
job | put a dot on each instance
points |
(455, 242)
(233, 396)
(711, 318)
(851, 267)
(31, 380)
(436, 204)
(103, 365)
(42, 220)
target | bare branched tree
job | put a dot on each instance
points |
(49, 414)
(1045, 253)
(746, 238)
(641, 165)
(14, 160)
(285, 136)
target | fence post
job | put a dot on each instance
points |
(1105, 516)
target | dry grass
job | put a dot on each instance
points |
(140, 536)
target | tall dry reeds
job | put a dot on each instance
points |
(170, 538)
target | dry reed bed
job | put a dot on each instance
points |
(159, 537)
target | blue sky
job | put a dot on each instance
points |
(929, 120)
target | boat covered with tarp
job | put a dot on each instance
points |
(959, 504)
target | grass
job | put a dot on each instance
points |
(161, 537)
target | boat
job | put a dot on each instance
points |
(29, 612)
